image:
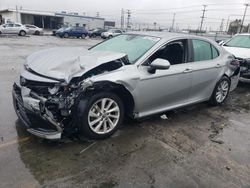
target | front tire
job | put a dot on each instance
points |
(66, 35)
(220, 92)
(22, 33)
(100, 115)
(83, 36)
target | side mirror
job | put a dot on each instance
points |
(158, 64)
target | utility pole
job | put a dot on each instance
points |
(97, 14)
(221, 25)
(17, 14)
(172, 27)
(243, 19)
(155, 26)
(128, 18)
(203, 15)
(122, 19)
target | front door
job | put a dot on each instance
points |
(165, 89)
(8, 29)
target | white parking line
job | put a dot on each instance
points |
(14, 142)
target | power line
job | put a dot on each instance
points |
(193, 6)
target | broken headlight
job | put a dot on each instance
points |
(53, 90)
(23, 81)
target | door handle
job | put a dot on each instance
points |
(218, 65)
(187, 70)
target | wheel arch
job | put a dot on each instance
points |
(227, 77)
(118, 89)
(22, 31)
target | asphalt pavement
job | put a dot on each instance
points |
(196, 146)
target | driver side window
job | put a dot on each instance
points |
(174, 52)
(10, 25)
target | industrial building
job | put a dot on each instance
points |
(51, 20)
(74, 19)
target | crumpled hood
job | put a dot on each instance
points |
(243, 53)
(68, 62)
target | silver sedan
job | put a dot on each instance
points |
(134, 74)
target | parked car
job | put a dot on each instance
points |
(239, 46)
(135, 75)
(34, 30)
(96, 32)
(13, 28)
(56, 31)
(72, 32)
(111, 33)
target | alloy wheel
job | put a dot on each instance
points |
(22, 33)
(222, 91)
(104, 116)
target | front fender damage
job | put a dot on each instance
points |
(57, 103)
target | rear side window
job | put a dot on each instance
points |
(30, 26)
(118, 31)
(10, 25)
(202, 50)
(215, 52)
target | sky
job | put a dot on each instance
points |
(145, 13)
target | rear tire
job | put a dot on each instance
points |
(66, 35)
(83, 36)
(220, 92)
(37, 33)
(22, 33)
(100, 115)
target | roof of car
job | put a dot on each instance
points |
(247, 34)
(168, 35)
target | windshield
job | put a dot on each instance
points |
(241, 41)
(132, 45)
(68, 28)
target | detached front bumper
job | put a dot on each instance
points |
(38, 124)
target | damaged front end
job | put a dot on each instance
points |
(244, 69)
(47, 108)
(46, 111)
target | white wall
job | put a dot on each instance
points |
(90, 23)
(11, 16)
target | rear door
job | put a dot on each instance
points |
(117, 32)
(206, 69)
(32, 29)
(16, 29)
(78, 31)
